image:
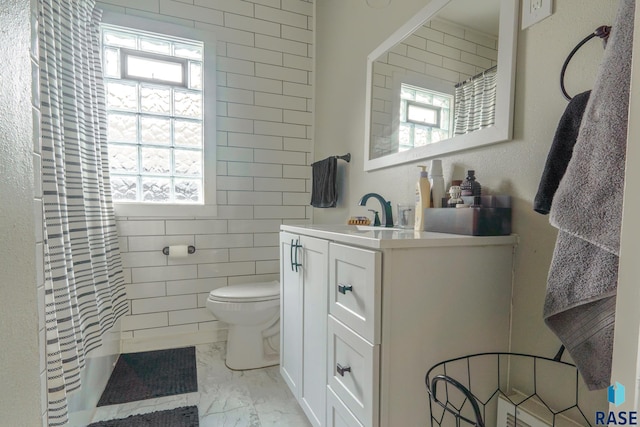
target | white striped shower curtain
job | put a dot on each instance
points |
(475, 103)
(84, 283)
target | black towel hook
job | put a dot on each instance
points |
(602, 32)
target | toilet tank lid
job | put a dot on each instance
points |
(248, 290)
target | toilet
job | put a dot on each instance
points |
(252, 312)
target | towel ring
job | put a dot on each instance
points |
(602, 32)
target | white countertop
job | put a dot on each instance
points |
(381, 238)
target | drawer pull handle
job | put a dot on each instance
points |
(343, 289)
(294, 255)
(291, 249)
(342, 369)
(298, 246)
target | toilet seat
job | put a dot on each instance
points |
(249, 292)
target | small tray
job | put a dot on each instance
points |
(493, 218)
(358, 221)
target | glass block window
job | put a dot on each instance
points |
(425, 116)
(154, 95)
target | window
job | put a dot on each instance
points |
(425, 116)
(160, 97)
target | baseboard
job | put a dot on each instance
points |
(163, 342)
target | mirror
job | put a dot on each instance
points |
(442, 83)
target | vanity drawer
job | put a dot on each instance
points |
(337, 413)
(354, 289)
(353, 371)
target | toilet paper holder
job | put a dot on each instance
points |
(190, 250)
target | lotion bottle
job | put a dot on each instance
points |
(423, 198)
(436, 179)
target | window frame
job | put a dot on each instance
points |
(209, 116)
(124, 69)
(422, 105)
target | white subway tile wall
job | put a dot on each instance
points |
(38, 209)
(264, 102)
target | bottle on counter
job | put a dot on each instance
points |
(423, 198)
(455, 199)
(471, 187)
(436, 180)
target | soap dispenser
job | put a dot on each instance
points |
(423, 198)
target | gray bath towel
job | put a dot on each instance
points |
(587, 208)
(324, 187)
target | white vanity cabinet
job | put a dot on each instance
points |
(303, 321)
(398, 303)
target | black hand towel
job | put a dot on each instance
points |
(324, 191)
(560, 152)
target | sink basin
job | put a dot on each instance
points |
(378, 228)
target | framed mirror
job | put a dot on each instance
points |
(443, 82)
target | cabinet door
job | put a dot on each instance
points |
(314, 270)
(290, 314)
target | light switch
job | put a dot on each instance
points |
(534, 11)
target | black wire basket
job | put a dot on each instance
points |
(465, 391)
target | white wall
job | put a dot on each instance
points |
(20, 364)
(348, 30)
(264, 151)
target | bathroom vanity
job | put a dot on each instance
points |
(377, 308)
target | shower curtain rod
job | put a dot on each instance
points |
(476, 76)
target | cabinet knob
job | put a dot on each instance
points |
(342, 369)
(343, 289)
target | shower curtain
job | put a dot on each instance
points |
(475, 102)
(84, 283)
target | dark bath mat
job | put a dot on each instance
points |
(149, 374)
(179, 417)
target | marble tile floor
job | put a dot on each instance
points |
(225, 398)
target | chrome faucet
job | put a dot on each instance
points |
(387, 216)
